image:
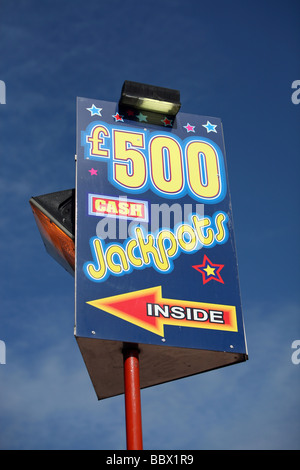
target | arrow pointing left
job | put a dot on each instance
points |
(147, 309)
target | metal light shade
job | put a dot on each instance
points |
(54, 214)
(141, 96)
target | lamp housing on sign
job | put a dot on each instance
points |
(54, 214)
(149, 103)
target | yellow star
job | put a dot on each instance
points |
(209, 270)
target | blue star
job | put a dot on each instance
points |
(95, 111)
(210, 127)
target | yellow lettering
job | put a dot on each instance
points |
(97, 273)
(160, 255)
(133, 260)
(156, 251)
(191, 244)
(111, 207)
(112, 266)
(123, 208)
(100, 205)
(166, 164)
(146, 247)
(98, 141)
(200, 225)
(203, 170)
(220, 218)
(129, 164)
(164, 253)
(136, 210)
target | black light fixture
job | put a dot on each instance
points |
(149, 103)
(54, 214)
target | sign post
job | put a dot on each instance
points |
(157, 285)
(133, 411)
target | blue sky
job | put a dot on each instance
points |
(233, 60)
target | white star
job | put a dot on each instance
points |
(94, 110)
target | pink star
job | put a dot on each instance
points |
(189, 128)
(93, 172)
(117, 117)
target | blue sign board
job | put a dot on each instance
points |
(156, 261)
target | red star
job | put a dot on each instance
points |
(209, 270)
(117, 117)
(130, 112)
(167, 122)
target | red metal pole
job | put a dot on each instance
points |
(133, 412)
